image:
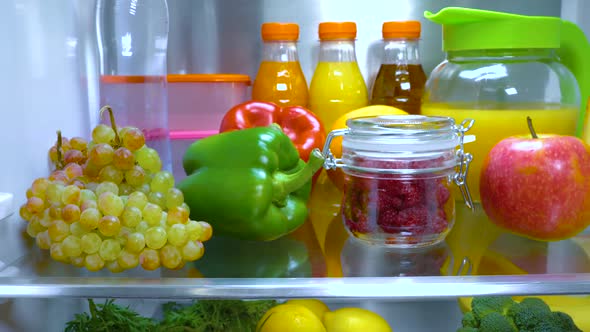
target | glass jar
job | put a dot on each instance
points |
(398, 176)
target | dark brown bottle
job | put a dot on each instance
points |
(401, 78)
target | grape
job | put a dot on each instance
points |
(90, 218)
(101, 154)
(87, 195)
(135, 176)
(123, 235)
(77, 183)
(152, 214)
(163, 219)
(158, 199)
(70, 213)
(90, 243)
(186, 207)
(155, 237)
(109, 226)
(109, 249)
(135, 242)
(77, 229)
(43, 241)
(170, 256)
(110, 204)
(106, 187)
(110, 173)
(123, 159)
(39, 187)
(25, 213)
(35, 205)
(57, 252)
(192, 251)
(144, 188)
(71, 195)
(90, 169)
(46, 220)
(34, 227)
(162, 181)
(177, 215)
(149, 259)
(58, 230)
(93, 262)
(149, 159)
(74, 157)
(131, 216)
(207, 231)
(73, 170)
(177, 235)
(29, 193)
(88, 205)
(142, 227)
(55, 211)
(125, 189)
(59, 175)
(103, 134)
(194, 230)
(133, 138)
(71, 246)
(54, 192)
(78, 143)
(114, 267)
(53, 154)
(137, 199)
(77, 261)
(174, 198)
(128, 260)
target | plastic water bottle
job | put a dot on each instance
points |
(132, 43)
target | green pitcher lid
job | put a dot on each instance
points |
(475, 29)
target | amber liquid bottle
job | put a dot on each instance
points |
(401, 78)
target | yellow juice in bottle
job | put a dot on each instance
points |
(493, 125)
(336, 88)
(282, 83)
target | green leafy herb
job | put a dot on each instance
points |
(214, 316)
(109, 317)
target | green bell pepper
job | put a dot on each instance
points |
(248, 184)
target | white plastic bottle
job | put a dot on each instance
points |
(132, 43)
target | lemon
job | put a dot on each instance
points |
(355, 319)
(318, 307)
(290, 318)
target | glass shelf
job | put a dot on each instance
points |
(294, 267)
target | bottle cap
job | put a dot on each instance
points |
(401, 29)
(280, 31)
(337, 30)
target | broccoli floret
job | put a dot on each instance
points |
(468, 329)
(496, 322)
(469, 320)
(529, 313)
(482, 306)
(564, 322)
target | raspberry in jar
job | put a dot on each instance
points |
(398, 176)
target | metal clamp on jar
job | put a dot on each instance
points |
(398, 172)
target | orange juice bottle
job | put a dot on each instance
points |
(337, 86)
(280, 79)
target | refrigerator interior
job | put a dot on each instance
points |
(50, 71)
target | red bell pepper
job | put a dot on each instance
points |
(302, 126)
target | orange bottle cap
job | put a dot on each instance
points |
(401, 29)
(280, 31)
(337, 30)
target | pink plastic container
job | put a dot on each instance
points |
(196, 106)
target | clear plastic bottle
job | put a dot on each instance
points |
(280, 79)
(132, 42)
(337, 86)
(401, 78)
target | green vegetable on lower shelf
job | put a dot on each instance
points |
(502, 314)
(201, 316)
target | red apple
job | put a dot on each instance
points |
(538, 187)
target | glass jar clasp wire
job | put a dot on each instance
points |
(463, 161)
(330, 162)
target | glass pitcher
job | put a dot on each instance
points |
(501, 68)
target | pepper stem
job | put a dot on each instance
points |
(284, 184)
(113, 123)
(531, 128)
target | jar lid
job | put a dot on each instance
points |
(409, 133)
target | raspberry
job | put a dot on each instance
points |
(442, 194)
(386, 200)
(439, 222)
(413, 220)
(412, 193)
(358, 223)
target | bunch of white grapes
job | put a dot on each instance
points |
(109, 204)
